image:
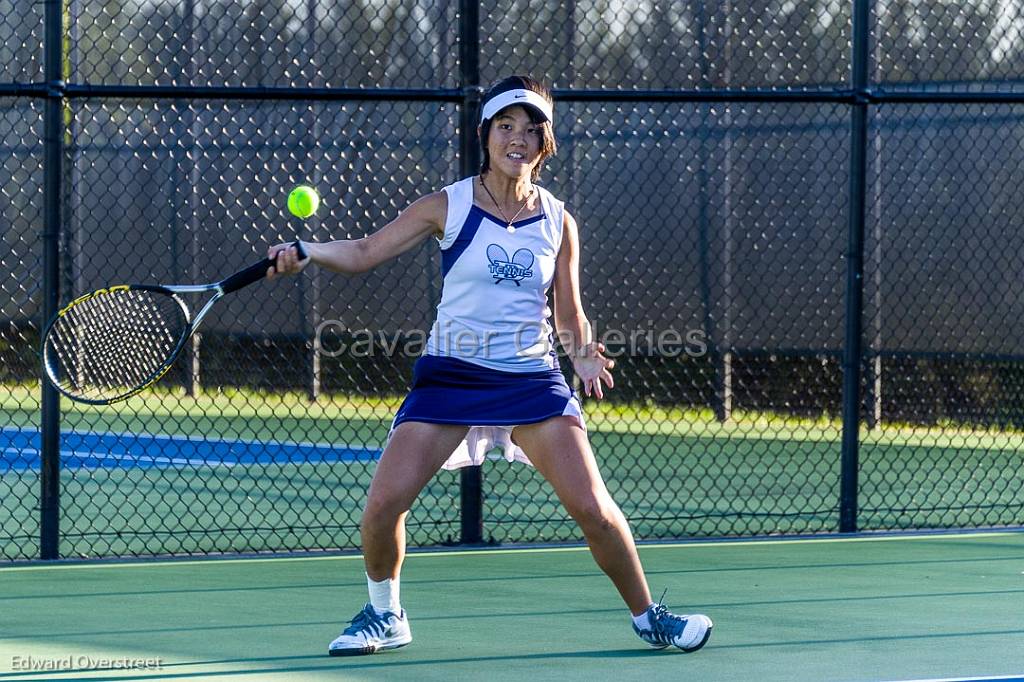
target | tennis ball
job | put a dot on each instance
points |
(303, 201)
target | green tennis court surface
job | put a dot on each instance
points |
(890, 608)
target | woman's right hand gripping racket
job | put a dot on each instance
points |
(111, 343)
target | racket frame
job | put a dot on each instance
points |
(239, 280)
(49, 364)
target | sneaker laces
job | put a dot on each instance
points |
(366, 620)
(665, 625)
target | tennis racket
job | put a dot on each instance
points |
(106, 346)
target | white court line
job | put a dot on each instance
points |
(133, 435)
(440, 553)
(967, 679)
(91, 454)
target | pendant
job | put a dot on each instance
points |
(510, 228)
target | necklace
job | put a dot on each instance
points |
(508, 227)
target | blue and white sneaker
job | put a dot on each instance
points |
(370, 632)
(689, 633)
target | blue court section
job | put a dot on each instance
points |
(20, 449)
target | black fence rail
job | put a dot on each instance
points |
(799, 230)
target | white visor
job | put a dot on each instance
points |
(527, 98)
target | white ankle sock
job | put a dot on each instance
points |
(643, 621)
(384, 595)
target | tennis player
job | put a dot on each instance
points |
(489, 377)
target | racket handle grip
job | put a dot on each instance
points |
(255, 272)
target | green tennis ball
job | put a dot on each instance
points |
(303, 201)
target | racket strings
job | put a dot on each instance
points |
(114, 342)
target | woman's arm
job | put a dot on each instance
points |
(423, 218)
(573, 328)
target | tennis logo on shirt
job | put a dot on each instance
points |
(514, 270)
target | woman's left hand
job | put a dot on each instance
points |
(593, 368)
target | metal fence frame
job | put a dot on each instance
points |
(860, 96)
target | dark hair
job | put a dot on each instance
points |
(547, 147)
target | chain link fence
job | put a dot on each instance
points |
(799, 239)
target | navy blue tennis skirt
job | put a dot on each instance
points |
(452, 391)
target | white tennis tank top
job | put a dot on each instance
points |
(494, 310)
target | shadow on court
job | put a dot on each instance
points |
(391, 660)
(911, 607)
(522, 577)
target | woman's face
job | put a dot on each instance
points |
(514, 142)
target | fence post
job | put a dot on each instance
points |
(855, 271)
(311, 287)
(471, 511)
(873, 397)
(186, 158)
(721, 361)
(873, 387)
(53, 164)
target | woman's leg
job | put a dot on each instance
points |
(413, 455)
(560, 451)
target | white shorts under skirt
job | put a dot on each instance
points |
(491, 402)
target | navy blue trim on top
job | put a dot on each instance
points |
(461, 243)
(503, 223)
(469, 229)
